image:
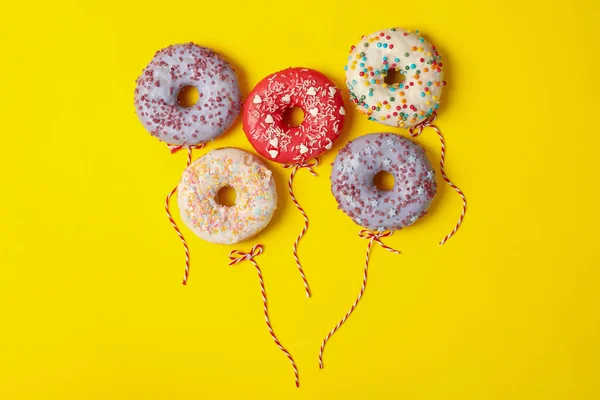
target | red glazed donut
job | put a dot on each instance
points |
(307, 89)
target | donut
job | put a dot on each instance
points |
(307, 89)
(256, 196)
(174, 68)
(352, 185)
(399, 104)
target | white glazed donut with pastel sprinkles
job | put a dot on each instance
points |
(256, 196)
(404, 104)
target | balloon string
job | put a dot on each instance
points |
(175, 148)
(373, 237)
(295, 168)
(171, 220)
(237, 256)
(416, 131)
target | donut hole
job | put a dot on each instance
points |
(393, 78)
(293, 117)
(384, 181)
(226, 196)
(188, 96)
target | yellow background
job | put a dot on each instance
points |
(90, 296)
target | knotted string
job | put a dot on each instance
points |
(174, 149)
(295, 168)
(237, 256)
(416, 131)
(373, 237)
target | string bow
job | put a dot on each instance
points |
(175, 148)
(295, 167)
(375, 236)
(416, 131)
(235, 257)
(304, 164)
(372, 237)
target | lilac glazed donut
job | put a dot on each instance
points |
(352, 181)
(173, 69)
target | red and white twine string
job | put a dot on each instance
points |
(237, 256)
(373, 237)
(174, 149)
(295, 168)
(416, 131)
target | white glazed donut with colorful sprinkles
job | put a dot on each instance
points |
(404, 104)
(174, 68)
(256, 196)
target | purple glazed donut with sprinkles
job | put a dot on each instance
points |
(174, 68)
(355, 168)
